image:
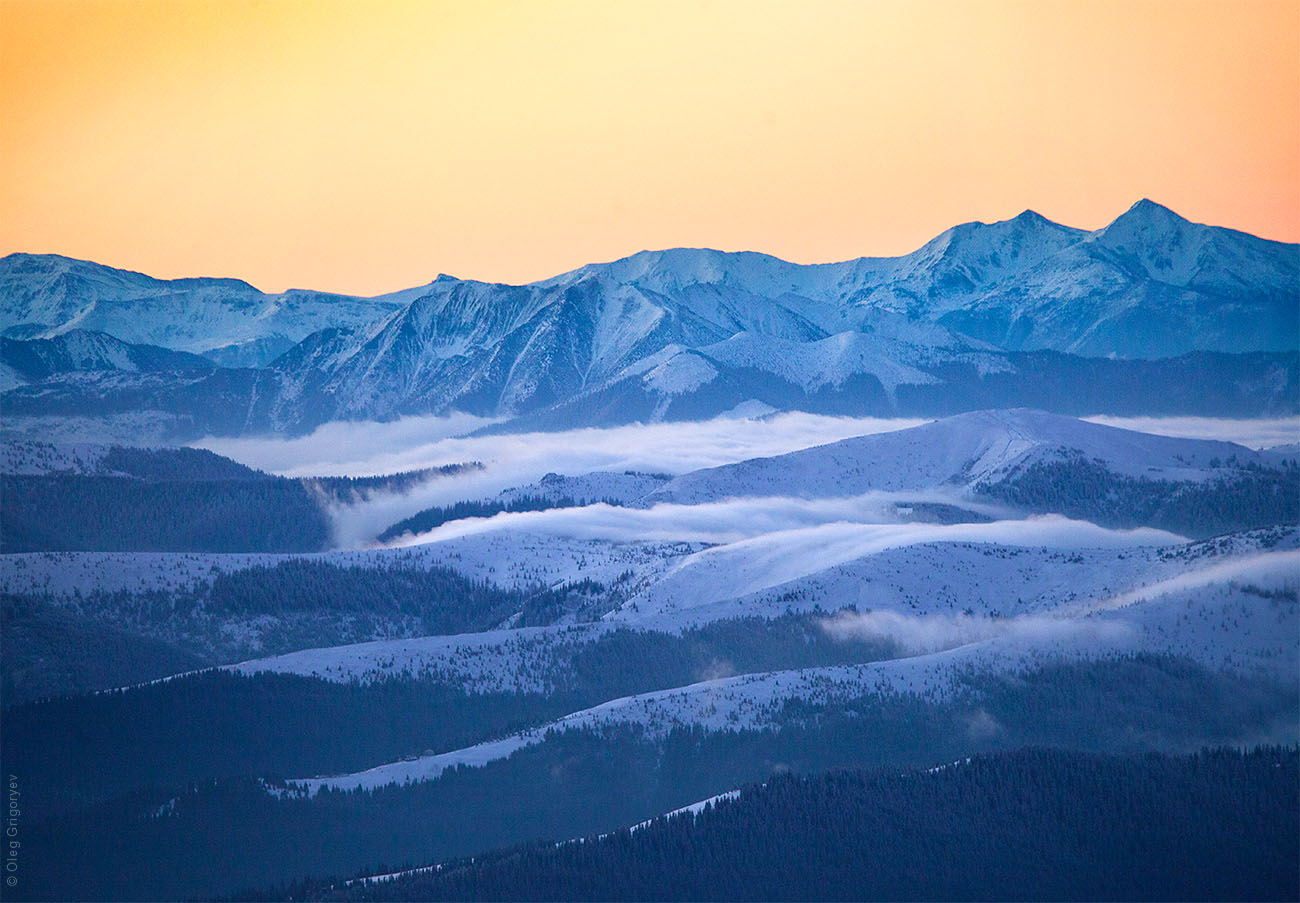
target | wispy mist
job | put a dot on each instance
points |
(350, 448)
(923, 634)
(511, 460)
(1269, 570)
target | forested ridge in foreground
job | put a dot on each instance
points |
(1026, 824)
(224, 821)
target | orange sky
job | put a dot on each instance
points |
(368, 146)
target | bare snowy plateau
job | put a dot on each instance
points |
(316, 585)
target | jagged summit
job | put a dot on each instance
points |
(1147, 219)
(1032, 216)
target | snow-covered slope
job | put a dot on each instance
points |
(955, 586)
(81, 350)
(1238, 614)
(487, 348)
(491, 661)
(836, 564)
(587, 488)
(977, 590)
(29, 458)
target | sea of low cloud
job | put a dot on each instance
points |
(519, 459)
(1252, 433)
(365, 448)
(729, 521)
(370, 448)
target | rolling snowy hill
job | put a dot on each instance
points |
(957, 453)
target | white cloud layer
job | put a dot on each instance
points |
(919, 635)
(1256, 433)
(366, 448)
(510, 460)
(1269, 570)
(730, 521)
(349, 448)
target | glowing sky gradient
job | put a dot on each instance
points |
(368, 146)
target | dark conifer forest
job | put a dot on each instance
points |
(1241, 499)
(1033, 824)
(429, 518)
(124, 514)
(180, 500)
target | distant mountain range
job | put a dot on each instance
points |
(1150, 313)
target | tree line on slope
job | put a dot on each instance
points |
(218, 723)
(53, 645)
(352, 489)
(1241, 499)
(426, 520)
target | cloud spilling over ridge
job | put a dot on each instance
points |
(728, 521)
(923, 634)
(1252, 433)
(367, 448)
(348, 448)
(775, 558)
(1269, 570)
(766, 542)
(510, 460)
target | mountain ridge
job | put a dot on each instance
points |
(976, 314)
(960, 266)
